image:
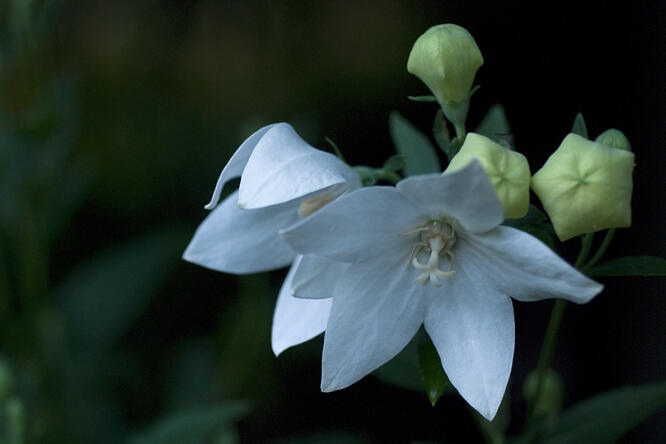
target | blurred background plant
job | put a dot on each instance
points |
(115, 119)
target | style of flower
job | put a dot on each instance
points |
(283, 179)
(431, 251)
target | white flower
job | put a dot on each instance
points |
(431, 252)
(283, 179)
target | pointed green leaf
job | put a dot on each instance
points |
(422, 98)
(579, 126)
(105, 295)
(421, 155)
(430, 365)
(630, 266)
(494, 124)
(394, 163)
(198, 426)
(607, 417)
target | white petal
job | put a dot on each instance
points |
(297, 320)
(471, 325)
(466, 195)
(283, 167)
(235, 166)
(377, 309)
(315, 277)
(521, 266)
(362, 224)
(234, 240)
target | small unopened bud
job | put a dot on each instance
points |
(585, 187)
(614, 138)
(446, 59)
(508, 171)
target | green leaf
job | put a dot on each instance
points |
(422, 98)
(494, 124)
(536, 224)
(607, 417)
(394, 163)
(197, 426)
(440, 132)
(421, 155)
(430, 365)
(630, 266)
(579, 126)
(104, 296)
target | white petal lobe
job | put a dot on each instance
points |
(466, 195)
(234, 240)
(358, 226)
(472, 327)
(377, 309)
(521, 266)
(297, 320)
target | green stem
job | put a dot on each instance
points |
(550, 340)
(547, 351)
(601, 251)
(586, 245)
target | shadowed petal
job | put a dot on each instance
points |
(315, 277)
(377, 309)
(521, 266)
(466, 195)
(471, 325)
(297, 320)
(234, 168)
(234, 240)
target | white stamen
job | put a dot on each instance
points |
(438, 237)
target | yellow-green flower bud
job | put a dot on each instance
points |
(585, 187)
(614, 138)
(508, 171)
(446, 59)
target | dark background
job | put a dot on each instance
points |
(161, 93)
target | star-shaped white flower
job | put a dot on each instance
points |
(283, 179)
(431, 252)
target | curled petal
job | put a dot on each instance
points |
(283, 167)
(234, 168)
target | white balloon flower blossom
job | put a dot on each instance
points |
(283, 179)
(431, 251)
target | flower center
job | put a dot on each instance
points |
(435, 242)
(312, 204)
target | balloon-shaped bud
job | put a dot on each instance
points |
(446, 59)
(508, 171)
(614, 138)
(585, 187)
